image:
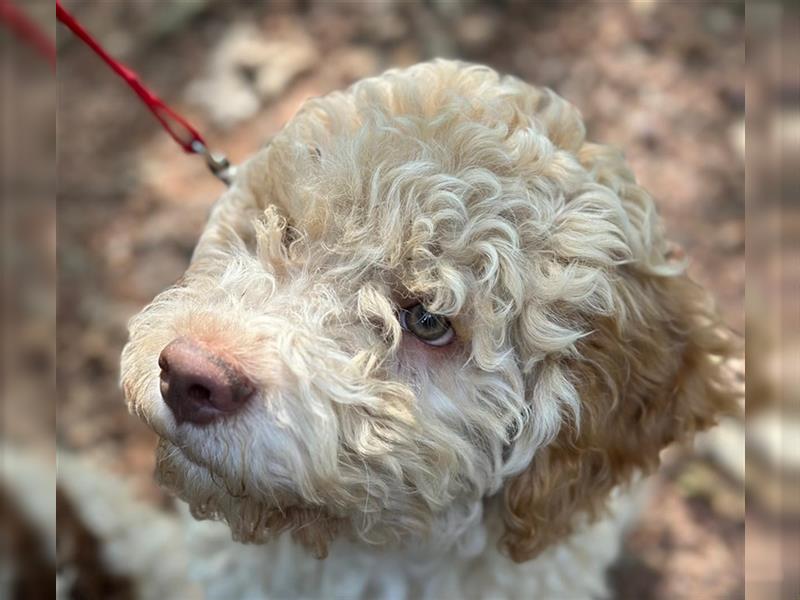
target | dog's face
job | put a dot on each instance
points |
(426, 291)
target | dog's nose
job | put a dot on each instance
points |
(198, 385)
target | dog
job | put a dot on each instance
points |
(428, 342)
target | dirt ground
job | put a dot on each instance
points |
(662, 80)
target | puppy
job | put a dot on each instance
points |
(431, 333)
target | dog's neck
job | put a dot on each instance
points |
(468, 565)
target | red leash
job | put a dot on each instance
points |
(176, 126)
(26, 29)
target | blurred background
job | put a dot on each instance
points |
(665, 81)
(27, 302)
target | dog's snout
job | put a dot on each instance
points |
(198, 385)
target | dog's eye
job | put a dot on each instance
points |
(434, 330)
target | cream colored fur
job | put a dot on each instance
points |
(581, 349)
(476, 570)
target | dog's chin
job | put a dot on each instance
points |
(251, 520)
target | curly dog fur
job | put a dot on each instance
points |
(581, 347)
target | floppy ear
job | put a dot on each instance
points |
(651, 369)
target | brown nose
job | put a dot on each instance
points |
(198, 385)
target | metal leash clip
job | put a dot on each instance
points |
(217, 163)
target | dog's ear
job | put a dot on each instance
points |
(653, 378)
(642, 357)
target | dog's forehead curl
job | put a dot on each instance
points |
(455, 181)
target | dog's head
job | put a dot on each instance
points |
(426, 291)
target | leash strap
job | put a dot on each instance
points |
(179, 129)
(27, 30)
